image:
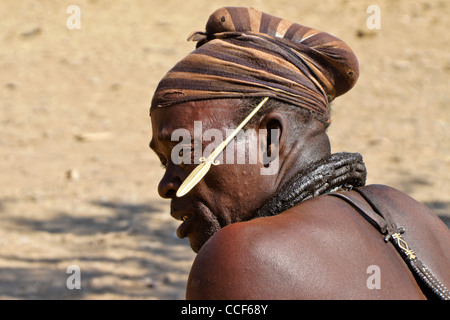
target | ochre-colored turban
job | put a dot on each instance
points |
(248, 53)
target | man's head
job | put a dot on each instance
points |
(213, 89)
(231, 192)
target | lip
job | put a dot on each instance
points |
(179, 215)
(184, 227)
(185, 219)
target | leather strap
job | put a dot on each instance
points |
(364, 209)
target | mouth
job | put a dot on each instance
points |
(186, 220)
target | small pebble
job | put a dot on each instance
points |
(73, 175)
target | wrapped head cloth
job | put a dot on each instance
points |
(247, 53)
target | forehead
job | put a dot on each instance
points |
(216, 114)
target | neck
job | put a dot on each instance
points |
(303, 153)
(341, 171)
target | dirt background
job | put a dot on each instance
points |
(77, 180)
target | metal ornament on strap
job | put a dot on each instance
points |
(420, 269)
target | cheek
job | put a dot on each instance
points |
(233, 189)
(228, 178)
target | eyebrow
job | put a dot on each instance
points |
(163, 137)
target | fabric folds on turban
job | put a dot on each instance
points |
(247, 53)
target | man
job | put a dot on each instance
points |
(310, 229)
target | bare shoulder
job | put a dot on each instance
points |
(422, 225)
(228, 266)
(425, 232)
(258, 259)
(299, 254)
(319, 249)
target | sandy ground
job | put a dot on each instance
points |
(77, 180)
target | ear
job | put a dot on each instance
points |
(275, 126)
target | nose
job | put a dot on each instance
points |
(169, 183)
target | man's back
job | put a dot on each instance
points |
(320, 249)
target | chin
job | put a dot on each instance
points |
(201, 232)
(195, 248)
(197, 242)
(195, 245)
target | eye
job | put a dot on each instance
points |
(163, 162)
